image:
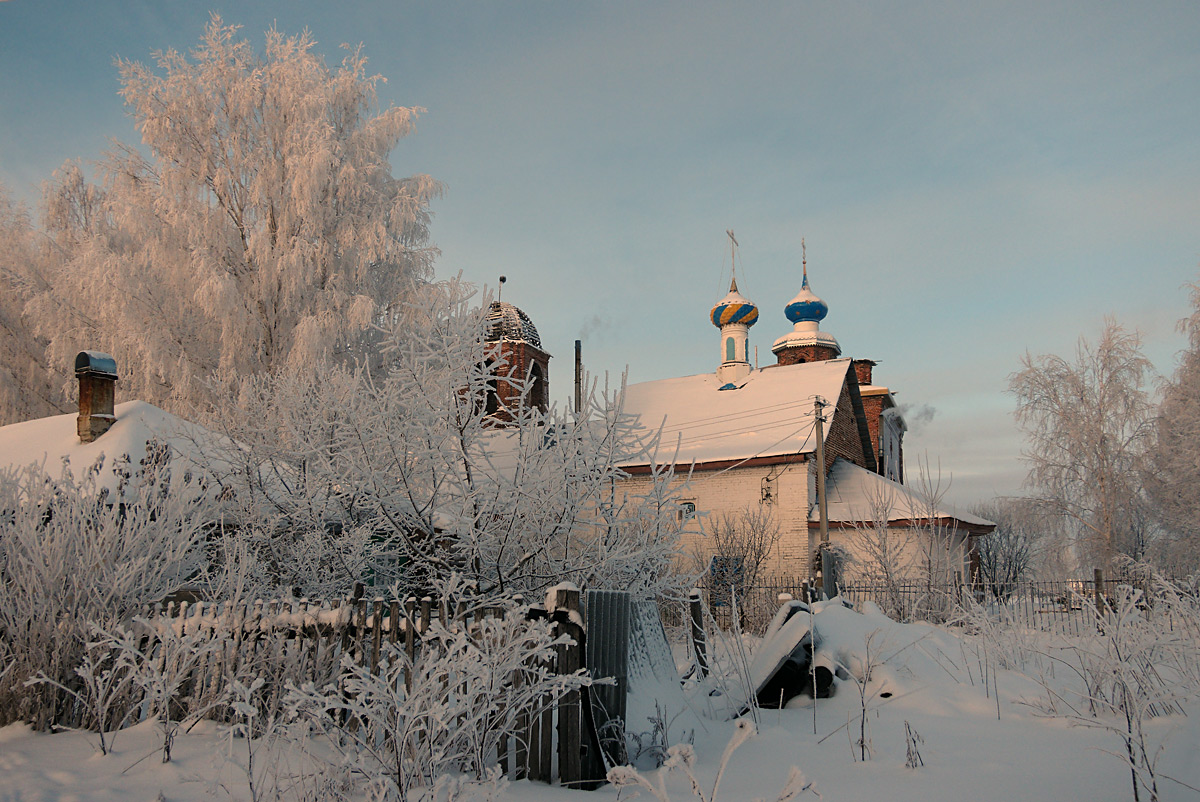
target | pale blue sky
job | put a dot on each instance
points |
(973, 181)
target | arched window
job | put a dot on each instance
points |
(537, 387)
(729, 350)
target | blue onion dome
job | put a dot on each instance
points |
(734, 308)
(806, 306)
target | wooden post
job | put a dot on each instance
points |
(1098, 579)
(822, 514)
(570, 719)
(699, 643)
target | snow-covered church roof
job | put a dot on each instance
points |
(769, 413)
(853, 495)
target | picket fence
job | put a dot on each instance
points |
(304, 640)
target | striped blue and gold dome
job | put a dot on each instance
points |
(734, 308)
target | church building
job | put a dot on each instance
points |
(750, 438)
(745, 442)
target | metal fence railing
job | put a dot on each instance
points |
(1066, 607)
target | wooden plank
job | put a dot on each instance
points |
(521, 756)
(546, 743)
(376, 634)
(393, 621)
(410, 639)
(570, 719)
(426, 610)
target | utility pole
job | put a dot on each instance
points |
(822, 513)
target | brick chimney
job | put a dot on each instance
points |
(97, 374)
(862, 370)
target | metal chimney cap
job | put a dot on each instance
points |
(95, 363)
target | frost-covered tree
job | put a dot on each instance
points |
(1010, 553)
(26, 387)
(401, 473)
(258, 226)
(738, 548)
(1174, 481)
(1088, 424)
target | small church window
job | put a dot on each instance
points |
(729, 350)
(687, 511)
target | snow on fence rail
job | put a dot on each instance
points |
(292, 642)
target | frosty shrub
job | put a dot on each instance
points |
(465, 695)
(401, 475)
(104, 691)
(82, 551)
(1142, 662)
(682, 759)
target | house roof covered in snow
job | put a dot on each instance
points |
(769, 413)
(54, 441)
(854, 495)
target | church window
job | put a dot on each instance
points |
(687, 511)
(729, 350)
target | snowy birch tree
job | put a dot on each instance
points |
(1088, 424)
(1174, 481)
(259, 226)
(26, 387)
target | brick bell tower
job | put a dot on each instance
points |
(806, 342)
(514, 353)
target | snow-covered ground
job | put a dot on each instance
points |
(978, 741)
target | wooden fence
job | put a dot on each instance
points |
(302, 641)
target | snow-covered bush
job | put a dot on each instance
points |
(78, 552)
(410, 724)
(682, 759)
(1142, 661)
(400, 473)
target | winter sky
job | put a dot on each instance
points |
(972, 181)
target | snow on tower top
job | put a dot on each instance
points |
(734, 308)
(507, 322)
(806, 311)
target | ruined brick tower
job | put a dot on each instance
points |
(514, 351)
